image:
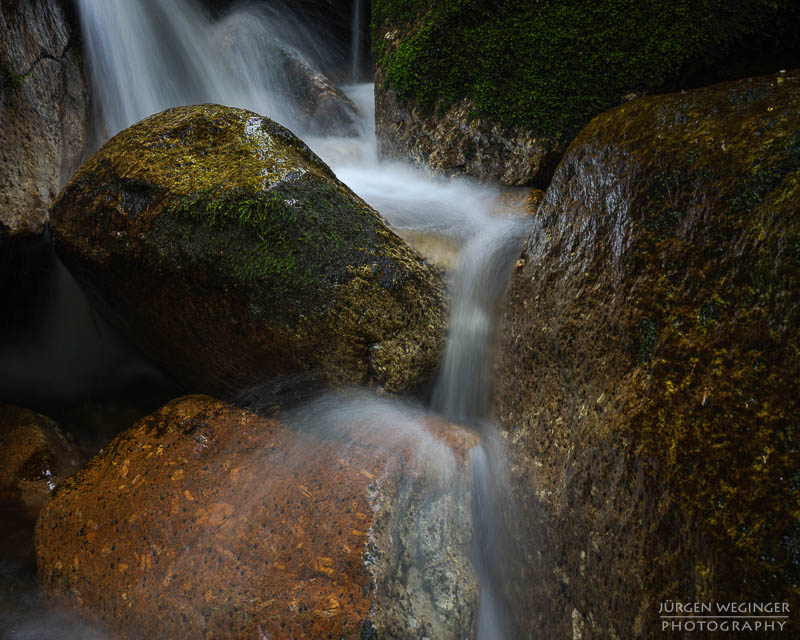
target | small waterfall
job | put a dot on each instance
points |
(355, 42)
(463, 390)
(148, 55)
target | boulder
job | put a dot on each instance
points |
(206, 520)
(44, 111)
(497, 90)
(34, 457)
(231, 254)
(259, 59)
(321, 107)
(648, 372)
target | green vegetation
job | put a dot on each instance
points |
(551, 65)
(10, 79)
(289, 242)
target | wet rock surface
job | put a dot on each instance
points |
(230, 253)
(458, 142)
(206, 520)
(34, 456)
(44, 109)
(648, 374)
(314, 103)
(321, 105)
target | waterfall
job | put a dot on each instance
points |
(355, 42)
(147, 55)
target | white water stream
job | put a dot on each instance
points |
(147, 55)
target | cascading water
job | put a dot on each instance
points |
(147, 55)
(355, 41)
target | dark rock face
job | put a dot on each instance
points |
(649, 374)
(34, 457)
(44, 111)
(205, 520)
(497, 90)
(230, 253)
(458, 142)
(323, 107)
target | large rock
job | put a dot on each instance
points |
(497, 90)
(44, 109)
(230, 253)
(34, 457)
(205, 520)
(648, 368)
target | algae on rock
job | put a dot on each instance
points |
(649, 370)
(231, 254)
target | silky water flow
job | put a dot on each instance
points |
(148, 55)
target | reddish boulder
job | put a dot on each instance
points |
(206, 520)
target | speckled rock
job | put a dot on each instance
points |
(34, 456)
(230, 253)
(207, 521)
(44, 110)
(648, 372)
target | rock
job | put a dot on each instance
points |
(205, 520)
(44, 110)
(34, 457)
(316, 106)
(323, 108)
(497, 90)
(648, 368)
(230, 254)
(457, 142)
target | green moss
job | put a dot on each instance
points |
(10, 79)
(647, 340)
(550, 66)
(288, 243)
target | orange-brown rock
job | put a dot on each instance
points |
(208, 521)
(34, 456)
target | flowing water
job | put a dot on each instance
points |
(147, 55)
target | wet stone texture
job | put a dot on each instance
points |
(34, 456)
(648, 373)
(454, 141)
(44, 111)
(207, 521)
(230, 253)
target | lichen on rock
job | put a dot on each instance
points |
(230, 253)
(648, 366)
(207, 520)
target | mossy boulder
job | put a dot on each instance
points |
(497, 89)
(649, 369)
(204, 520)
(231, 254)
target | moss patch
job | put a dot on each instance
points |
(550, 66)
(9, 79)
